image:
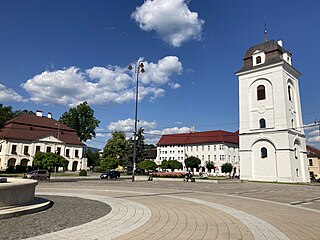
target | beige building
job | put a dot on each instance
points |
(23, 136)
(314, 161)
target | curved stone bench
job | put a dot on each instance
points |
(17, 191)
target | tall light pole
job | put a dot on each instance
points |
(139, 68)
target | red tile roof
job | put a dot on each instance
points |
(31, 127)
(199, 138)
(312, 151)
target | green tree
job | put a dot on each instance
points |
(164, 164)
(174, 164)
(141, 152)
(210, 165)
(81, 119)
(109, 163)
(116, 147)
(49, 161)
(93, 157)
(192, 162)
(226, 168)
(147, 165)
(6, 114)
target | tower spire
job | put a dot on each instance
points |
(265, 31)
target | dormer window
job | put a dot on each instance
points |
(258, 57)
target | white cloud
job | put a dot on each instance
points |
(171, 20)
(127, 125)
(151, 134)
(174, 85)
(159, 73)
(100, 85)
(8, 94)
(315, 139)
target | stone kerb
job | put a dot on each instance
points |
(17, 191)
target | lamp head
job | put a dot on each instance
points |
(130, 67)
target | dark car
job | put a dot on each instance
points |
(110, 174)
(38, 175)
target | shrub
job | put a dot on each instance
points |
(20, 169)
(97, 169)
(83, 172)
(10, 169)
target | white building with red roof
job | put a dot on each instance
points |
(217, 146)
(23, 136)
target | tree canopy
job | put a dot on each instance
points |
(116, 147)
(147, 165)
(93, 157)
(192, 162)
(209, 165)
(49, 161)
(171, 164)
(108, 163)
(6, 114)
(140, 148)
(81, 118)
(226, 168)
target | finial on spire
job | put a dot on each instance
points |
(265, 31)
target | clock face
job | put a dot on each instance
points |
(261, 109)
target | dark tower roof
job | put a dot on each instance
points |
(273, 52)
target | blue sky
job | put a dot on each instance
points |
(56, 54)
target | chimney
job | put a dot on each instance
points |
(49, 115)
(39, 113)
(280, 43)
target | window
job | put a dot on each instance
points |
(292, 124)
(48, 149)
(76, 153)
(264, 152)
(262, 123)
(261, 93)
(14, 149)
(258, 60)
(289, 93)
(310, 162)
(202, 148)
(67, 152)
(215, 157)
(25, 150)
(208, 147)
(202, 158)
(58, 150)
(297, 171)
(295, 153)
(0, 148)
(208, 157)
(214, 147)
(37, 148)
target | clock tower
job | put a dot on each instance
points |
(272, 140)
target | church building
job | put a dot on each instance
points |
(271, 134)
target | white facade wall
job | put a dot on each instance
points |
(283, 136)
(219, 153)
(76, 162)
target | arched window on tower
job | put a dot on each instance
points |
(261, 93)
(289, 93)
(258, 60)
(264, 152)
(292, 124)
(262, 123)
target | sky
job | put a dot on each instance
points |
(56, 54)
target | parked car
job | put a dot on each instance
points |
(110, 174)
(38, 175)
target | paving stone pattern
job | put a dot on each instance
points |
(65, 213)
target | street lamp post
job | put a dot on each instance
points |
(139, 68)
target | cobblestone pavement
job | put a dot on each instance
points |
(184, 210)
(65, 213)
